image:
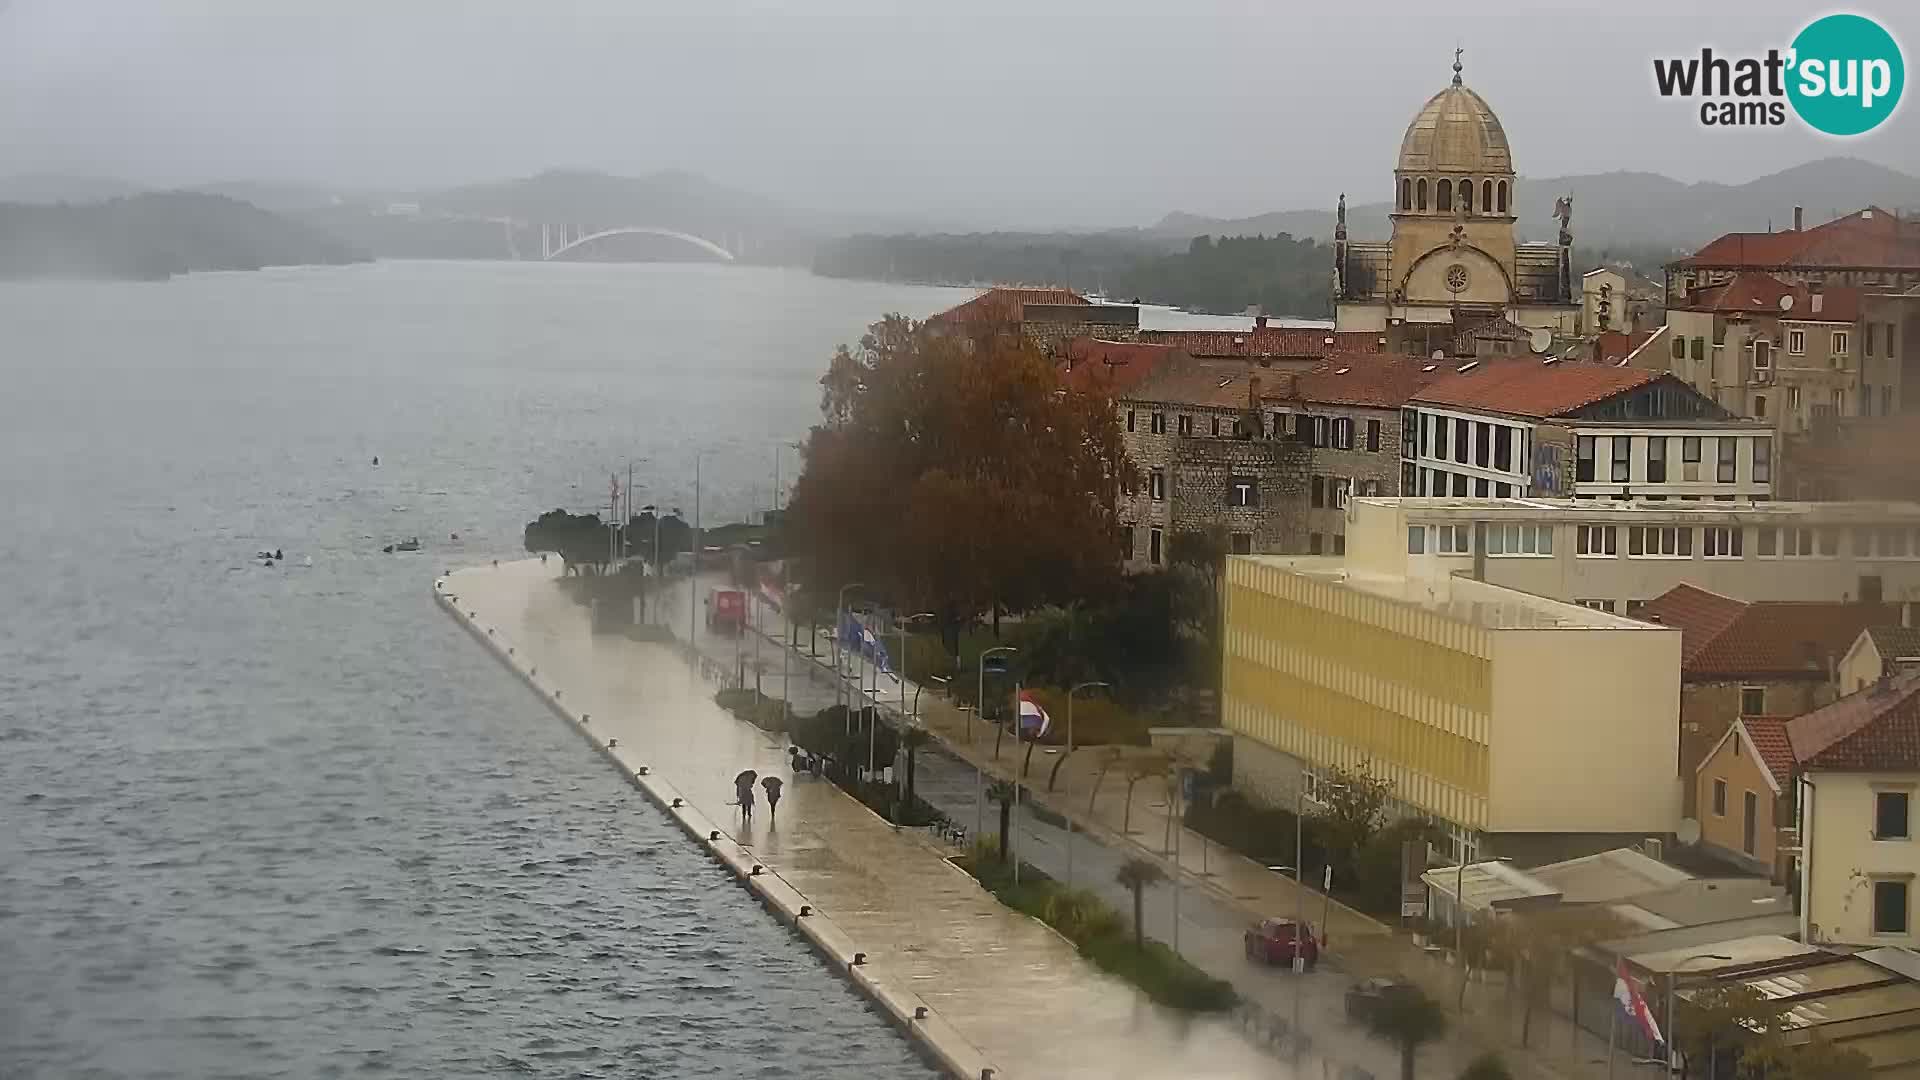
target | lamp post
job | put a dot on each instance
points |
(1071, 691)
(1460, 920)
(693, 572)
(1673, 983)
(979, 708)
(839, 676)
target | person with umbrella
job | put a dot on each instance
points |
(743, 787)
(772, 784)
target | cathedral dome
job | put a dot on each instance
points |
(1456, 132)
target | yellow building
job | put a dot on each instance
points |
(1521, 725)
(1453, 249)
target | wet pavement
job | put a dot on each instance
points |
(1018, 992)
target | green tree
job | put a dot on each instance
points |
(1408, 1019)
(1486, 1067)
(1540, 946)
(1001, 794)
(1135, 875)
(1108, 759)
(1726, 1019)
(581, 540)
(949, 472)
(1349, 809)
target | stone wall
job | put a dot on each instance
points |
(1708, 709)
(1051, 326)
(1151, 452)
(1202, 477)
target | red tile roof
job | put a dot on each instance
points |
(1872, 730)
(1002, 303)
(1110, 367)
(1870, 237)
(1613, 347)
(1527, 387)
(1184, 380)
(1771, 747)
(1375, 380)
(1755, 293)
(1281, 342)
(1723, 638)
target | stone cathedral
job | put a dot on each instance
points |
(1453, 260)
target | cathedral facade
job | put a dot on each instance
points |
(1453, 260)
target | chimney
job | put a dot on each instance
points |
(1259, 322)
(1799, 213)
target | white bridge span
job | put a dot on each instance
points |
(556, 241)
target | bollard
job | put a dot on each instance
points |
(805, 910)
(919, 1012)
(859, 959)
(755, 872)
(489, 631)
(676, 804)
(642, 770)
(584, 718)
(611, 743)
(986, 1074)
(509, 650)
(714, 835)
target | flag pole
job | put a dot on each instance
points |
(1013, 819)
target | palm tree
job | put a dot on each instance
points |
(1408, 1019)
(1135, 875)
(1137, 770)
(1107, 760)
(1487, 1067)
(1001, 793)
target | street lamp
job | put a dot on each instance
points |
(1071, 691)
(1673, 982)
(1460, 919)
(980, 708)
(839, 676)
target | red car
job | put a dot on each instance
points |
(1273, 941)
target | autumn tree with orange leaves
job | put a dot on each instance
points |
(951, 474)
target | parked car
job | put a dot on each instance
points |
(1365, 994)
(1274, 941)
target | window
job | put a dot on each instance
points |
(1453, 539)
(1760, 406)
(1597, 540)
(1657, 460)
(1519, 539)
(1442, 195)
(1839, 345)
(1320, 431)
(1486, 196)
(1406, 194)
(1153, 546)
(1130, 419)
(1622, 458)
(1343, 434)
(1317, 490)
(1459, 485)
(1749, 820)
(1829, 542)
(1480, 487)
(1186, 425)
(1797, 342)
(1583, 467)
(1719, 798)
(1762, 355)
(1502, 491)
(1157, 485)
(1243, 491)
(1339, 489)
(1653, 542)
(1482, 444)
(1890, 906)
(1690, 449)
(1440, 437)
(1373, 436)
(1866, 341)
(1726, 447)
(1159, 424)
(1699, 348)
(1753, 702)
(1416, 539)
(1339, 543)
(1890, 820)
(1410, 478)
(1679, 348)
(1369, 487)
(1767, 542)
(1462, 435)
(1466, 196)
(1420, 194)
(1302, 428)
(1720, 541)
(1242, 543)
(1503, 448)
(1502, 190)
(1597, 605)
(1763, 461)
(1886, 395)
(1315, 543)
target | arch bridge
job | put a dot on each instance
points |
(558, 240)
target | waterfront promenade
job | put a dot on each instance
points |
(1002, 989)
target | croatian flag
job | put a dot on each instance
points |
(1626, 994)
(1034, 720)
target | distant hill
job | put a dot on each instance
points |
(49, 188)
(155, 236)
(1621, 208)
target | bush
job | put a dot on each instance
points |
(763, 712)
(1101, 934)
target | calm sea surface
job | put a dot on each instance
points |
(290, 821)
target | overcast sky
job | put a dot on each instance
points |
(1028, 113)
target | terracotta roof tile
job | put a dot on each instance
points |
(1868, 237)
(1527, 387)
(1755, 293)
(1768, 734)
(1895, 641)
(1872, 730)
(1110, 367)
(1724, 638)
(1281, 342)
(1185, 380)
(1376, 380)
(1003, 303)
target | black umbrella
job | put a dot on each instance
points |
(745, 779)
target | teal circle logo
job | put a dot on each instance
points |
(1846, 74)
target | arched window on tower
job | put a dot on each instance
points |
(1420, 194)
(1406, 194)
(1466, 196)
(1503, 196)
(1443, 195)
(1486, 196)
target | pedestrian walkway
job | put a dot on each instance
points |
(1228, 891)
(1011, 987)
